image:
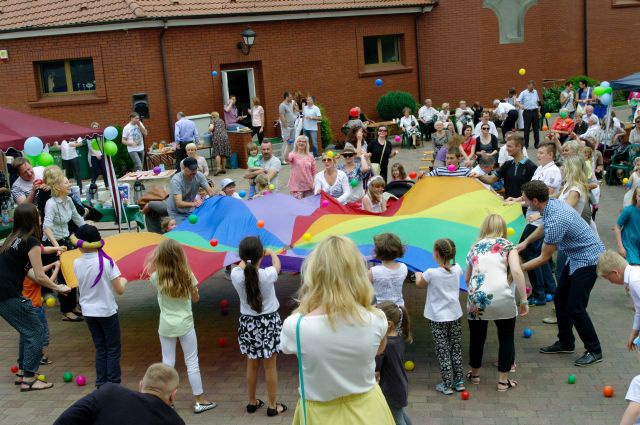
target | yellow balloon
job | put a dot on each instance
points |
(306, 236)
(408, 365)
(547, 115)
(522, 71)
(510, 231)
(51, 302)
(625, 180)
(330, 154)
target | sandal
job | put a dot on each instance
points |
(506, 386)
(276, 412)
(19, 380)
(474, 379)
(72, 319)
(30, 386)
(45, 361)
(251, 408)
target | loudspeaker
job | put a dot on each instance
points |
(140, 104)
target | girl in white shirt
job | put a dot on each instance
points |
(373, 201)
(388, 278)
(443, 310)
(260, 325)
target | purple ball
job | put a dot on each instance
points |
(157, 170)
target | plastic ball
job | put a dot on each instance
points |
(465, 395)
(110, 148)
(397, 138)
(571, 379)
(545, 128)
(260, 223)
(42, 378)
(272, 186)
(625, 180)
(378, 82)
(14, 368)
(413, 175)
(193, 219)
(51, 302)
(306, 237)
(510, 231)
(222, 342)
(45, 159)
(81, 380)
(409, 365)
(67, 377)
(522, 71)
(157, 170)
(33, 146)
(224, 303)
(549, 298)
(242, 193)
(214, 73)
(110, 133)
(547, 115)
(563, 114)
(452, 167)
(353, 182)
(527, 332)
(324, 203)
(330, 154)
(213, 242)
(607, 391)
(628, 185)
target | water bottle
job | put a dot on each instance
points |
(5, 213)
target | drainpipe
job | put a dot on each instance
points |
(415, 25)
(165, 75)
(586, 40)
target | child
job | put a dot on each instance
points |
(485, 167)
(261, 186)
(253, 162)
(374, 200)
(443, 311)
(390, 364)
(260, 325)
(228, 188)
(451, 168)
(167, 224)
(634, 183)
(627, 230)
(98, 278)
(397, 172)
(388, 277)
(177, 289)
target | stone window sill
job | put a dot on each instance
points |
(373, 71)
(70, 100)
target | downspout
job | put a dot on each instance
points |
(586, 40)
(165, 75)
(415, 25)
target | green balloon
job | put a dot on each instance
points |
(32, 159)
(563, 114)
(94, 145)
(599, 91)
(608, 90)
(110, 148)
(45, 159)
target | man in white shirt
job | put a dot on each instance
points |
(508, 114)
(70, 161)
(464, 115)
(312, 116)
(426, 118)
(503, 155)
(133, 136)
(529, 101)
(29, 179)
(486, 119)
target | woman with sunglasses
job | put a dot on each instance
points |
(486, 144)
(332, 181)
(381, 151)
(356, 167)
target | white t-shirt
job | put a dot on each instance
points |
(426, 114)
(67, 151)
(633, 393)
(341, 189)
(565, 194)
(503, 156)
(387, 283)
(551, 176)
(267, 278)
(314, 112)
(132, 132)
(98, 301)
(443, 291)
(632, 280)
(270, 164)
(478, 129)
(335, 362)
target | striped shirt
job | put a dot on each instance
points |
(564, 228)
(444, 172)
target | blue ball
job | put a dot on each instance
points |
(242, 193)
(214, 73)
(110, 133)
(527, 333)
(378, 82)
(549, 298)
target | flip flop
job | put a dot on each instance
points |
(30, 386)
(69, 319)
(18, 381)
(507, 385)
(275, 412)
(251, 408)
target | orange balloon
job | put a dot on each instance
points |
(260, 223)
(545, 128)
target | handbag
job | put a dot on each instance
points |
(375, 166)
(301, 375)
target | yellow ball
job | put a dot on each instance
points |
(51, 302)
(510, 231)
(522, 71)
(408, 365)
(306, 236)
(272, 186)
(330, 154)
(625, 180)
(547, 115)
(42, 378)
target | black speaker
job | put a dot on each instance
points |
(140, 104)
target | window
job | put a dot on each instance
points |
(381, 50)
(67, 77)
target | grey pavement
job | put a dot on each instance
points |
(543, 395)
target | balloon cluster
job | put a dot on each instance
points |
(110, 147)
(34, 152)
(605, 92)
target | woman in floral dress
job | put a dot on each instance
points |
(220, 146)
(492, 297)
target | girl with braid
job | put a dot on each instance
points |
(443, 310)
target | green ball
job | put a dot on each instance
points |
(563, 114)
(110, 148)
(94, 145)
(45, 159)
(353, 182)
(193, 219)
(571, 379)
(67, 377)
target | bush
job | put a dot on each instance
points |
(551, 98)
(391, 104)
(325, 128)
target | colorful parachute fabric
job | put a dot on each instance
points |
(435, 207)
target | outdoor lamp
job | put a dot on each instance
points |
(248, 38)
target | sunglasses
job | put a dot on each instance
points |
(326, 160)
(382, 130)
(485, 128)
(347, 155)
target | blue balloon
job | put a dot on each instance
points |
(242, 193)
(605, 84)
(378, 82)
(605, 99)
(214, 73)
(33, 146)
(110, 133)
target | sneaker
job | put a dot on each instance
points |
(556, 348)
(588, 359)
(534, 301)
(551, 320)
(203, 407)
(459, 386)
(444, 390)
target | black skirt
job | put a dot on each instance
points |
(259, 336)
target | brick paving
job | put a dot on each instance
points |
(542, 396)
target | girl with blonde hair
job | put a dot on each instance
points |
(177, 289)
(374, 200)
(303, 169)
(336, 333)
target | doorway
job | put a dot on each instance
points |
(241, 84)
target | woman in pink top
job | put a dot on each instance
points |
(257, 119)
(303, 169)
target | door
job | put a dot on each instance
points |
(241, 84)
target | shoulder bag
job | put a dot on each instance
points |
(375, 166)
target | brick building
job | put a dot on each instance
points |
(85, 60)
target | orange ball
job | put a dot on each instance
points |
(545, 128)
(607, 391)
(260, 223)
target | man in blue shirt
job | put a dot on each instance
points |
(563, 229)
(529, 101)
(185, 133)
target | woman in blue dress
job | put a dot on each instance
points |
(628, 230)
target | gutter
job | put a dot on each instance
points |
(165, 76)
(585, 47)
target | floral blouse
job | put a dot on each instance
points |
(491, 296)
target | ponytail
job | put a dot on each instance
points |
(400, 317)
(252, 287)
(405, 328)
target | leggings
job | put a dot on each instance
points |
(256, 130)
(447, 338)
(506, 350)
(189, 344)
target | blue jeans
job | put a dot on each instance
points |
(19, 313)
(43, 319)
(105, 332)
(313, 138)
(400, 416)
(541, 278)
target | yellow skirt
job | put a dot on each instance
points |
(369, 408)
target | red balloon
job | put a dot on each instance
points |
(413, 174)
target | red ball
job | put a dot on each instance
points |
(413, 174)
(224, 304)
(260, 223)
(222, 342)
(213, 242)
(607, 391)
(14, 369)
(465, 395)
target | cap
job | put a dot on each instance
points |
(88, 233)
(348, 148)
(190, 163)
(226, 182)
(353, 112)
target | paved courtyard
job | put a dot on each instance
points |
(542, 396)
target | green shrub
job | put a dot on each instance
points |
(391, 104)
(325, 128)
(576, 79)
(551, 98)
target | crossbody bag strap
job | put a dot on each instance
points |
(301, 375)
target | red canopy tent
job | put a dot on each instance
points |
(16, 127)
